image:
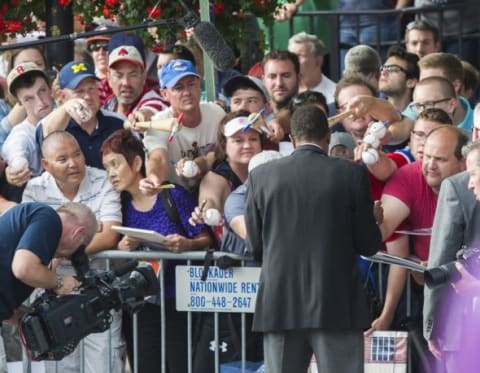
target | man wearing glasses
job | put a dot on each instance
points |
(441, 80)
(398, 77)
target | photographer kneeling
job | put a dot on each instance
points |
(32, 234)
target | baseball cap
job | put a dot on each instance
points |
(236, 124)
(175, 70)
(102, 27)
(126, 47)
(245, 81)
(341, 138)
(22, 70)
(73, 73)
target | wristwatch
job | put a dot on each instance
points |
(59, 282)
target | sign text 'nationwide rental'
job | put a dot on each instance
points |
(224, 290)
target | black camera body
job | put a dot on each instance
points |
(54, 325)
(468, 257)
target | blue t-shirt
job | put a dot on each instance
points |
(32, 226)
(90, 143)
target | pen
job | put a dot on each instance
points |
(202, 205)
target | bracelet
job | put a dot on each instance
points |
(59, 282)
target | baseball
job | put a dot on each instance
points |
(190, 169)
(372, 140)
(378, 130)
(370, 156)
(18, 164)
(212, 217)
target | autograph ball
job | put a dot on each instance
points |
(212, 217)
(18, 164)
(190, 169)
(370, 156)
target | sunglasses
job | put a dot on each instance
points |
(96, 46)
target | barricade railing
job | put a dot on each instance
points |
(188, 257)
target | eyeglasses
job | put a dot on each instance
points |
(95, 47)
(419, 107)
(393, 69)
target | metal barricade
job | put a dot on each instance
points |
(162, 257)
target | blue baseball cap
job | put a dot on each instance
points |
(175, 70)
(73, 73)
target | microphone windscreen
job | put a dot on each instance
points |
(214, 45)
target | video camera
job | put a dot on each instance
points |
(54, 325)
(469, 258)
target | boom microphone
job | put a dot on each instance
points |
(209, 40)
(214, 45)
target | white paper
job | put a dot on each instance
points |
(142, 234)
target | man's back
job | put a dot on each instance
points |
(317, 216)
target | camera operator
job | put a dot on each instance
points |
(455, 225)
(32, 235)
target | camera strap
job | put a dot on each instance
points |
(171, 209)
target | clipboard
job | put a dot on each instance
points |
(145, 235)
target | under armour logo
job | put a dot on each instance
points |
(20, 69)
(223, 346)
(78, 68)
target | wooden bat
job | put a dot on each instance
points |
(165, 125)
(339, 117)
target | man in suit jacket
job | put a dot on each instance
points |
(456, 223)
(308, 217)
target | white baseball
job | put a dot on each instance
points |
(190, 169)
(372, 140)
(378, 130)
(370, 156)
(18, 164)
(212, 217)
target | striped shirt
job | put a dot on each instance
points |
(95, 191)
(149, 99)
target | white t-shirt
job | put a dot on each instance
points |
(21, 142)
(327, 88)
(188, 142)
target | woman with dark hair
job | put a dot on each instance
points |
(123, 158)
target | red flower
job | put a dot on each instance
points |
(218, 8)
(154, 12)
(105, 11)
(13, 26)
(111, 3)
(64, 2)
